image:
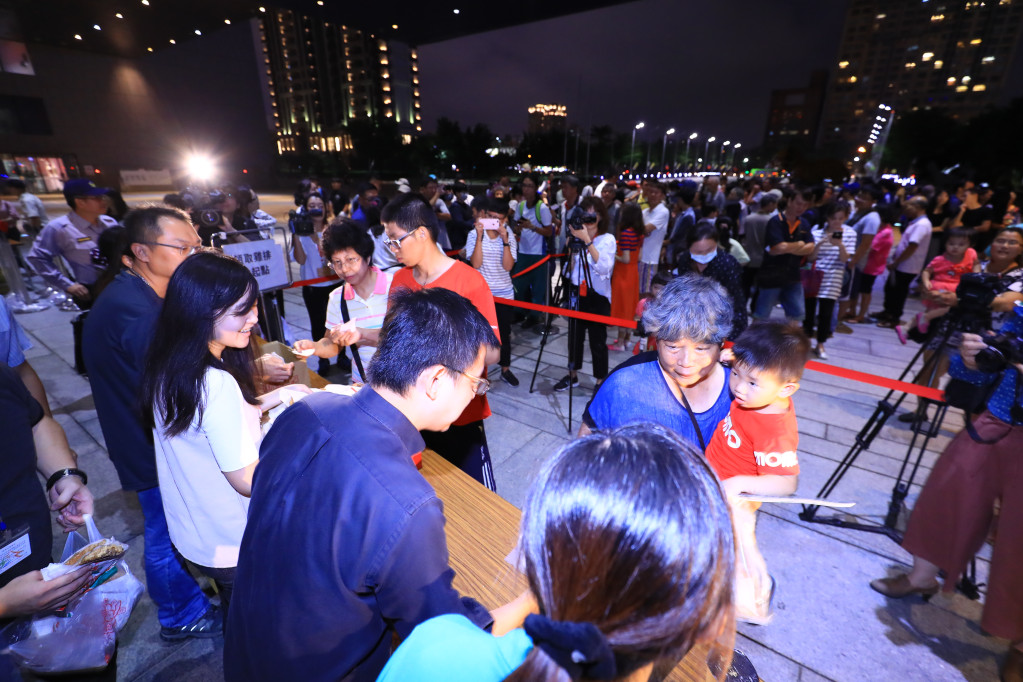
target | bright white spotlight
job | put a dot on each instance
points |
(200, 167)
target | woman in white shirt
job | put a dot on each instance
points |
(199, 390)
(307, 228)
(599, 248)
(493, 253)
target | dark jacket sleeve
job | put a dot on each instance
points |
(414, 583)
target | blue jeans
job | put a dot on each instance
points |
(790, 296)
(179, 601)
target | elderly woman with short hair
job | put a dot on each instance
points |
(682, 385)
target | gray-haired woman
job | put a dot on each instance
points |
(682, 384)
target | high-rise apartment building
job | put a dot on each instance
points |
(320, 76)
(795, 113)
(918, 54)
(547, 117)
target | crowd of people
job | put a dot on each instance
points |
(180, 394)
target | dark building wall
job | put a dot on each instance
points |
(148, 113)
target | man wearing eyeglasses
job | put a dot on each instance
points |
(116, 338)
(344, 543)
(411, 228)
(75, 238)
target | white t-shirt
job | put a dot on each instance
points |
(917, 232)
(31, 206)
(650, 252)
(205, 514)
(367, 313)
(492, 268)
(600, 272)
(313, 260)
(531, 243)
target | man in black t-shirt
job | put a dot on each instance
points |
(977, 217)
(788, 241)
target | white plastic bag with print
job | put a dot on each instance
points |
(84, 635)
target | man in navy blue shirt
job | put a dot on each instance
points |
(788, 241)
(345, 539)
(117, 334)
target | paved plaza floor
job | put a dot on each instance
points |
(829, 624)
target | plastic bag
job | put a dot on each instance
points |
(84, 635)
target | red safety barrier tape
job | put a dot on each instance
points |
(534, 266)
(453, 252)
(883, 382)
(565, 312)
(307, 282)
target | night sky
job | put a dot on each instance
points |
(707, 67)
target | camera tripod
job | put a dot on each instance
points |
(922, 432)
(565, 295)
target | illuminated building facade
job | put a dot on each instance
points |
(795, 113)
(911, 55)
(320, 76)
(545, 118)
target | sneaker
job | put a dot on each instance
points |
(889, 324)
(207, 626)
(509, 378)
(843, 328)
(565, 382)
(820, 353)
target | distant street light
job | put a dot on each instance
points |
(706, 149)
(632, 151)
(721, 156)
(691, 138)
(664, 145)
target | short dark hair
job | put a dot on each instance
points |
(366, 187)
(774, 346)
(531, 176)
(703, 230)
(498, 205)
(571, 180)
(142, 224)
(16, 183)
(836, 207)
(410, 211)
(426, 181)
(687, 193)
(658, 185)
(344, 234)
(873, 191)
(959, 233)
(426, 328)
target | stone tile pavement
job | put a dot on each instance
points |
(829, 625)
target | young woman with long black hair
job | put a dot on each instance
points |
(199, 393)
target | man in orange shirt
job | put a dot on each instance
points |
(411, 229)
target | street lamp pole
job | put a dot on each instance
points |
(688, 140)
(721, 156)
(731, 154)
(706, 149)
(664, 145)
(632, 151)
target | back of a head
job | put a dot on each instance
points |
(423, 329)
(609, 538)
(776, 346)
(410, 211)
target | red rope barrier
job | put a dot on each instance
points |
(534, 266)
(565, 312)
(307, 282)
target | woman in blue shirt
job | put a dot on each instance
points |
(683, 382)
(607, 531)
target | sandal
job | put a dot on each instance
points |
(921, 323)
(901, 333)
(616, 347)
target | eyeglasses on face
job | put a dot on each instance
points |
(395, 244)
(480, 385)
(185, 251)
(351, 263)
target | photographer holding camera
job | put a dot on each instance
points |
(307, 225)
(953, 515)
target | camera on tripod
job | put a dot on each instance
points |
(1002, 349)
(577, 220)
(975, 293)
(301, 224)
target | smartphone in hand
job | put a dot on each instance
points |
(490, 224)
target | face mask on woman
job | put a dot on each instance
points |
(703, 258)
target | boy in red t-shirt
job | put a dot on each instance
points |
(753, 450)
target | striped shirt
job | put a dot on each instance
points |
(492, 269)
(628, 240)
(366, 313)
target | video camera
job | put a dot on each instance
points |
(301, 224)
(577, 220)
(975, 293)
